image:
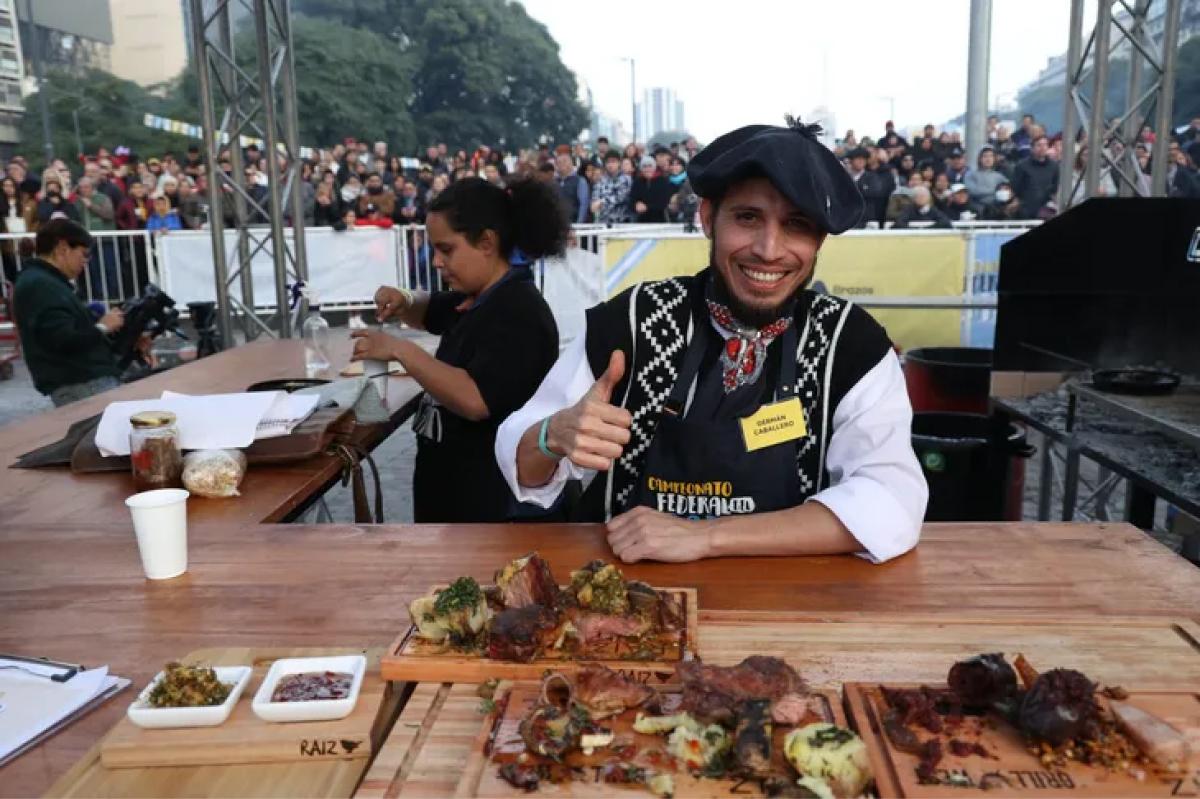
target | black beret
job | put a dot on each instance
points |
(801, 168)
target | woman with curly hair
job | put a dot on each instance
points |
(498, 341)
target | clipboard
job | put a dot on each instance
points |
(65, 672)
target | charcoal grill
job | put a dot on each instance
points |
(1107, 295)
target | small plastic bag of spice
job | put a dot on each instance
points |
(214, 473)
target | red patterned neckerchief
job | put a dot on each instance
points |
(745, 349)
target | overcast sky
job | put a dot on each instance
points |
(736, 62)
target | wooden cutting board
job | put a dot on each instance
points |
(411, 659)
(499, 742)
(310, 777)
(245, 738)
(1011, 768)
(433, 737)
(1150, 652)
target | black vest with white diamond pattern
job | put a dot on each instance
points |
(660, 325)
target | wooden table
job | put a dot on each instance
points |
(271, 494)
(75, 591)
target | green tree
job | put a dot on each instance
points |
(110, 112)
(486, 72)
(349, 82)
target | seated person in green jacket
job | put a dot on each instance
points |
(68, 352)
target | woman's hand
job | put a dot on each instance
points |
(389, 301)
(373, 345)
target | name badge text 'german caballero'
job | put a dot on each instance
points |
(774, 424)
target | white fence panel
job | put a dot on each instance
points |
(343, 268)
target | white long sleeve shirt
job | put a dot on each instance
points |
(876, 488)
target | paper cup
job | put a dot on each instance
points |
(377, 368)
(160, 522)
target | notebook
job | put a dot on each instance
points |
(285, 414)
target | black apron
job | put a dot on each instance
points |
(701, 470)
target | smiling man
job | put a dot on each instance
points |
(734, 412)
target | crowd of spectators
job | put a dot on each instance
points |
(929, 180)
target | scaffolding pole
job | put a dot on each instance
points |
(1075, 57)
(241, 100)
(1112, 134)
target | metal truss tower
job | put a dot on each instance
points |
(1121, 27)
(252, 97)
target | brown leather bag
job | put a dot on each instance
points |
(316, 435)
(328, 431)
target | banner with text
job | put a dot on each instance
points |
(854, 266)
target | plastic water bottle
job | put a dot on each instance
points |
(316, 340)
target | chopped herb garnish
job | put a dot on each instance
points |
(463, 594)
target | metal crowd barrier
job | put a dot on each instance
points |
(123, 261)
(120, 265)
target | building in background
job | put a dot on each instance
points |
(12, 73)
(660, 110)
(66, 34)
(149, 40)
(144, 41)
(610, 127)
(599, 123)
(1055, 71)
(70, 34)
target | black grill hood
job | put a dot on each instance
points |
(1109, 283)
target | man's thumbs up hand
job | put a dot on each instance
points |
(602, 389)
(593, 432)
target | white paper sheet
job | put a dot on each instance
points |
(285, 413)
(31, 705)
(213, 421)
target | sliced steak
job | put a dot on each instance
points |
(593, 627)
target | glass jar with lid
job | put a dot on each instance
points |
(154, 451)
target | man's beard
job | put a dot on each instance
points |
(749, 315)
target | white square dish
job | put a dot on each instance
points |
(315, 710)
(143, 714)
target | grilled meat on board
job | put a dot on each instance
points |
(521, 633)
(752, 742)
(593, 627)
(604, 692)
(659, 607)
(551, 730)
(983, 681)
(712, 694)
(527, 581)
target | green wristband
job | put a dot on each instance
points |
(543, 446)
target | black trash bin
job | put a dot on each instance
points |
(975, 466)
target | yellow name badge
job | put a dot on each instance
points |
(774, 424)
